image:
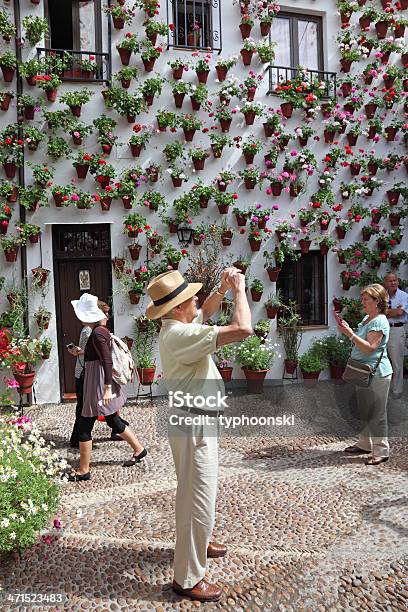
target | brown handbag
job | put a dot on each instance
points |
(360, 373)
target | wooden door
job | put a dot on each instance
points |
(82, 264)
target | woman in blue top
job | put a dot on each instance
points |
(370, 347)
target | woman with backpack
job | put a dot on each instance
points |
(102, 396)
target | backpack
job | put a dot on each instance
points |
(123, 365)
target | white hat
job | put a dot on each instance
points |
(86, 309)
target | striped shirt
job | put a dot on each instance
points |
(83, 339)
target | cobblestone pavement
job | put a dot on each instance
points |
(307, 527)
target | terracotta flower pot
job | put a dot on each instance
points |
(52, 95)
(11, 254)
(255, 379)
(287, 109)
(241, 220)
(246, 57)
(127, 202)
(226, 238)
(14, 195)
(394, 219)
(81, 170)
(103, 181)
(352, 139)
(226, 374)
(245, 30)
(265, 28)
(202, 76)
(268, 130)
(10, 169)
(148, 64)
(393, 196)
(355, 168)
(370, 110)
(336, 371)
(34, 238)
(76, 110)
(324, 249)
(389, 82)
(249, 117)
(173, 228)
(295, 189)
(177, 73)
(28, 113)
(134, 297)
(375, 217)
(273, 274)
(8, 73)
(136, 150)
(125, 55)
(290, 366)
(198, 164)
(203, 202)
(149, 99)
(366, 234)
(310, 378)
(250, 183)
(178, 99)
(134, 250)
(372, 168)
(221, 186)
(146, 375)
(5, 103)
(345, 65)
(118, 23)
(271, 311)
(255, 244)
(381, 28)
(188, 134)
(364, 22)
(345, 18)
(223, 208)
(256, 295)
(25, 382)
(152, 38)
(193, 39)
(225, 125)
(249, 157)
(105, 203)
(217, 152)
(328, 136)
(125, 83)
(177, 182)
(221, 72)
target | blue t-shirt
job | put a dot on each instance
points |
(379, 323)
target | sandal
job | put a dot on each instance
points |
(375, 460)
(75, 477)
(135, 459)
(355, 450)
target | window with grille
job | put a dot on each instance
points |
(304, 282)
(196, 24)
(299, 41)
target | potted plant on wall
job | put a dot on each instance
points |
(198, 155)
(152, 87)
(42, 317)
(190, 124)
(8, 64)
(247, 51)
(257, 288)
(25, 354)
(273, 304)
(224, 116)
(255, 358)
(126, 47)
(222, 66)
(262, 329)
(76, 99)
(218, 142)
(273, 262)
(224, 356)
(120, 15)
(11, 246)
(177, 66)
(250, 110)
(180, 89)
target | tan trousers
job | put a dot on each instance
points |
(196, 462)
(372, 403)
(396, 352)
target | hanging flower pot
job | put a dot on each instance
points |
(58, 200)
(107, 149)
(295, 189)
(10, 169)
(148, 98)
(221, 186)
(134, 250)
(125, 83)
(52, 95)
(152, 38)
(5, 103)
(125, 55)
(381, 28)
(345, 18)
(134, 297)
(197, 240)
(364, 22)
(385, 57)
(372, 168)
(195, 105)
(290, 366)
(40, 275)
(223, 208)
(246, 56)
(77, 140)
(11, 254)
(393, 196)
(241, 219)
(366, 234)
(352, 139)
(198, 164)
(255, 244)
(368, 78)
(221, 73)
(188, 134)
(14, 194)
(303, 141)
(355, 168)
(146, 375)
(271, 163)
(118, 23)
(25, 382)
(273, 274)
(265, 28)
(76, 110)
(127, 202)
(178, 99)
(375, 217)
(178, 73)
(34, 238)
(304, 245)
(105, 203)
(226, 238)
(287, 109)
(226, 374)
(249, 117)
(256, 295)
(341, 257)
(225, 124)
(152, 241)
(173, 264)
(82, 170)
(271, 311)
(324, 249)
(245, 29)
(8, 73)
(250, 183)
(395, 219)
(135, 149)
(328, 136)
(202, 76)
(269, 131)
(173, 228)
(28, 113)
(370, 110)
(177, 182)
(388, 82)
(345, 65)
(203, 202)
(249, 157)
(217, 151)
(132, 119)
(103, 181)
(276, 189)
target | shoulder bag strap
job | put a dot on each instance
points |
(379, 360)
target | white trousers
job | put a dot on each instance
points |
(196, 462)
(396, 352)
(372, 402)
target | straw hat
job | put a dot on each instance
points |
(86, 309)
(168, 290)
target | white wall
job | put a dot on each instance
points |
(47, 386)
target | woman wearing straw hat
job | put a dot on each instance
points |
(101, 395)
(185, 346)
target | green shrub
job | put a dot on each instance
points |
(255, 355)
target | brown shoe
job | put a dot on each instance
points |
(202, 591)
(215, 550)
(356, 450)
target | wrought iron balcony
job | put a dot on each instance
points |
(75, 70)
(196, 24)
(279, 74)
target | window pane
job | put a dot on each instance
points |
(87, 25)
(60, 17)
(308, 45)
(192, 23)
(280, 33)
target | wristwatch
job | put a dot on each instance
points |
(220, 292)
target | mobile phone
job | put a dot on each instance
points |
(71, 345)
(337, 317)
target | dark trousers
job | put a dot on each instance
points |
(79, 390)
